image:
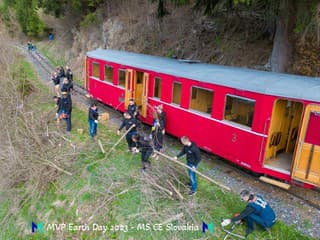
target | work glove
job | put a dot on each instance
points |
(135, 150)
(225, 222)
(96, 121)
(57, 115)
(118, 132)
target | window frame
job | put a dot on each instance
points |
(112, 71)
(159, 87)
(194, 96)
(92, 71)
(173, 84)
(139, 79)
(243, 99)
(124, 83)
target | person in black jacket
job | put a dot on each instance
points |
(127, 123)
(193, 158)
(61, 73)
(132, 108)
(56, 82)
(162, 117)
(66, 109)
(157, 132)
(57, 100)
(93, 116)
(69, 74)
(145, 148)
(67, 86)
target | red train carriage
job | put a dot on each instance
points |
(266, 122)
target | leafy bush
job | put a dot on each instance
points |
(26, 11)
(26, 15)
(89, 19)
(4, 12)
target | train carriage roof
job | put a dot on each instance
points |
(277, 84)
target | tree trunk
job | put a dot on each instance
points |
(282, 47)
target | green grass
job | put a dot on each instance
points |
(113, 192)
(48, 51)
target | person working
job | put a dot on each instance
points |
(145, 148)
(257, 211)
(193, 158)
(129, 123)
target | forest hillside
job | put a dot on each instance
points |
(277, 36)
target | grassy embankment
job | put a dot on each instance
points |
(114, 192)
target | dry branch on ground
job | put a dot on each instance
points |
(29, 155)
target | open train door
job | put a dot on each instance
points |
(86, 72)
(144, 95)
(306, 167)
(129, 84)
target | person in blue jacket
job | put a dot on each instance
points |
(257, 211)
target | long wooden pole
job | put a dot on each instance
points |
(120, 139)
(101, 147)
(192, 169)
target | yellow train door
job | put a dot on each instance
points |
(144, 95)
(129, 85)
(306, 167)
(136, 87)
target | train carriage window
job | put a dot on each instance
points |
(157, 87)
(139, 77)
(108, 73)
(201, 100)
(239, 110)
(122, 77)
(96, 70)
(176, 96)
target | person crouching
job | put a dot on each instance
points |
(257, 211)
(129, 123)
(145, 148)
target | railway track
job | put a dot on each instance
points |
(310, 197)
